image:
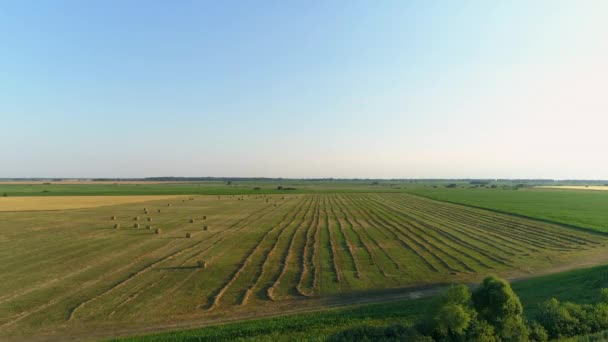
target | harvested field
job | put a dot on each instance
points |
(70, 269)
(33, 203)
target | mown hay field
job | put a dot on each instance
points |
(35, 203)
(133, 265)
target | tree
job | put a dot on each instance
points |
(513, 329)
(556, 319)
(497, 304)
(495, 301)
(538, 333)
(458, 294)
(604, 295)
(452, 319)
(480, 331)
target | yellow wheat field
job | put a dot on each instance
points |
(33, 203)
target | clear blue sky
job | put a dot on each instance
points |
(304, 89)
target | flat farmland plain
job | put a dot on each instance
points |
(220, 257)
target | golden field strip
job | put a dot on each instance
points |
(70, 269)
(33, 203)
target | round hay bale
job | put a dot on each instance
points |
(191, 220)
(136, 218)
(205, 227)
(113, 218)
(168, 204)
(136, 225)
(148, 227)
(188, 235)
(116, 226)
(204, 217)
(157, 231)
(159, 210)
(201, 264)
(149, 219)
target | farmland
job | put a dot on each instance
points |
(35, 203)
(578, 286)
(576, 208)
(262, 254)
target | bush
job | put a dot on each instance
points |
(537, 333)
(556, 319)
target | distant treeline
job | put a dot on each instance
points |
(363, 180)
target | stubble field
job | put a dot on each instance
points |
(72, 269)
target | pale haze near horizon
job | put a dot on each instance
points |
(365, 89)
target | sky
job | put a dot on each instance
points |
(304, 89)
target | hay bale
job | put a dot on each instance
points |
(201, 264)
(205, 227)
(136, 225)
(157, 231)
(136, 218)
(168, 204)
(188, 235)
(148, 227)
(191, 220)
(149, 219)
(159, 210)
(204, 217)
(113, 218)
(116, 226)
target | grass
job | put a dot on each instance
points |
(580, 208)
(70, 270)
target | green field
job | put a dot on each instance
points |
(580, 286)
(71, 271)
(193, 188)
(579, 208)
